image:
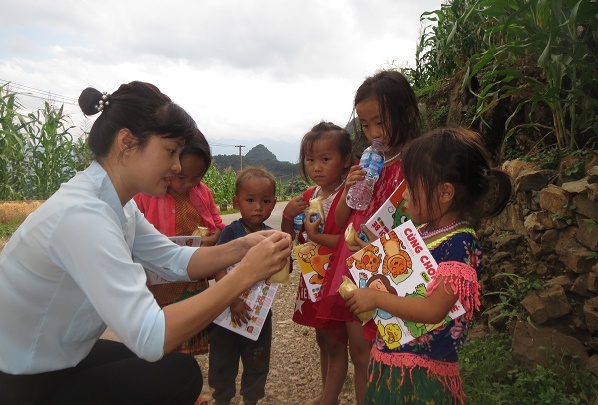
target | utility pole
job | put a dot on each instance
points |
(240, 156)
(279, 186)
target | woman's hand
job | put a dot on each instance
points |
(252, 239)
(266, 257)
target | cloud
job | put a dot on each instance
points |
(243, 68)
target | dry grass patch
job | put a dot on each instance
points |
(17, 211)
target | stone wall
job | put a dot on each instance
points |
(549, 232)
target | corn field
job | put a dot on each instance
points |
(37, 150)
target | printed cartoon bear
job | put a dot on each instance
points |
(366, 259)
(396, 261)
(312, 254)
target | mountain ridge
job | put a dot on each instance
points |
(259, 155)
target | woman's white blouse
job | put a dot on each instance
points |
(75, 265)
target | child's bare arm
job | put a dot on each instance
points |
(293, 208)
(239, 311)
(324, 239)
(431, 310)
(212, 238)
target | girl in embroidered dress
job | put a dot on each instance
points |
(187, 204)
(324, 158)
(387, 110)
(449, 180)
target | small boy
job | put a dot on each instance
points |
(255, 196)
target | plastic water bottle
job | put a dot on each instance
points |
(298, 222)
(372, 161)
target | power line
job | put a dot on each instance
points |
(40, 94)
(221, 144)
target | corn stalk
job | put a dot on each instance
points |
(559, 35)
(37, 150)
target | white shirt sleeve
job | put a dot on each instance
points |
(97, 251)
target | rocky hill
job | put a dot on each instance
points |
(258, 156)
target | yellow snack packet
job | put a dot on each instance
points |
(348, 285)
(283, 275)
(201, 231)
(315, 211)
(350, 235)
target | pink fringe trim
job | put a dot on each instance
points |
(447, 373)
(463, 280)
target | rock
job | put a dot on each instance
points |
(576, 187)
(587, 233)
(590, 313)
(566, 282)
(554, 299)
(592, 174)
(536, 308)
(586, 207)
(542, 220)
(586, 285)
(532, 179)
(550, 302)
(515, 167)
(572, 254)
(554, 199)
(533, 345)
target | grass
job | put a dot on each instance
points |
(8, 228)
(492, 376)
(16, 211)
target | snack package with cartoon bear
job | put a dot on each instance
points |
(348, 285)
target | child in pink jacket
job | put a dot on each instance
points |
(187, 204)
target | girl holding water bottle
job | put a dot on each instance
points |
(324, 158)
(388, 114)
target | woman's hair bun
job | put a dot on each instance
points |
(88, 100)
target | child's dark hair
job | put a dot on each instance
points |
(458, 156)
(398, 105)
(321, 131)
(141, 108)
(251, 172)
(198, 146)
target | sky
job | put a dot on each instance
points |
(248, 71)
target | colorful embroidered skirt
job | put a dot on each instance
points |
(393, 383)
(170, 293)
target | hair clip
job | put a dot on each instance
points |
(103, 103)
